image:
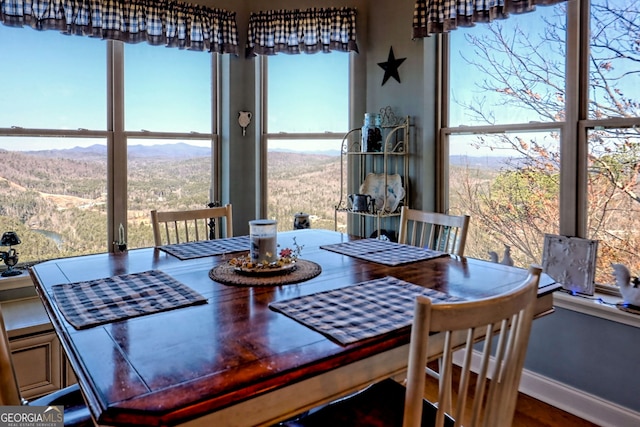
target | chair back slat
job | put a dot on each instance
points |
(191, 225)
(506, 317)
(437, 231)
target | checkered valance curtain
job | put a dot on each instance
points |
(441, 16)
(302, 31)
(158, 22)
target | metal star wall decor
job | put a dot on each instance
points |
(391, 67)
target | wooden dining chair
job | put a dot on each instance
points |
(438, 231)
(76, 413)
(503, 321)
(191, 225)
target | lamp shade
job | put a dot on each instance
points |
(9, 238)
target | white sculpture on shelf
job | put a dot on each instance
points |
(506, 256)
(629, 287)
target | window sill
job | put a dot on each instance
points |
(15, 282)
(16, 287)
(25, 317)
(598, 305)
(21, 308)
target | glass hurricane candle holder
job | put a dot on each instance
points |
(263, 234)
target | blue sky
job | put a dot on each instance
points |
(62, 85)
(316, 89)
(465, 84)
(58, 82)
(308, 93)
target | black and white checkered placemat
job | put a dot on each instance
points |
(91, 303)
(208, 247)
(359, 311)
(383, 251)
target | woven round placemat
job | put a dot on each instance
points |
(305, 270)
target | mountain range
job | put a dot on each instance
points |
(179, 150)
(182, 151)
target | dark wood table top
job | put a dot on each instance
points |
(176, 366)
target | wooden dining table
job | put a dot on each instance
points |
(232, 360)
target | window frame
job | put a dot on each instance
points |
(575, 127)
(116, 138)
(265, 136)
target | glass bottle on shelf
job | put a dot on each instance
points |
(372, 133)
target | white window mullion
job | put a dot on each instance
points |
(261, 158)
(215, 189)
(442, 148)
(572, 145)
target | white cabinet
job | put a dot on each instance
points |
(374, 185)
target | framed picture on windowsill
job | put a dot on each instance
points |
(571, 261)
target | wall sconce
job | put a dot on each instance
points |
(10, 257)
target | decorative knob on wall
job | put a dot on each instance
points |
(244, 119)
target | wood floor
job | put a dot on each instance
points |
(530, 412)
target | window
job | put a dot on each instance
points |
(53, 143)
(613, 56)
(503, 89)
(307, 116)
(183, 104)
(169, 133)
(308, 93)
(55, 131)
(613, 198)
(53, 194)
(509, 182)
(56, 81)
(612, 136)
(506, 161)
(164, 175)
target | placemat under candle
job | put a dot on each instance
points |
(359, 311)
(226, 273)
(94, 302)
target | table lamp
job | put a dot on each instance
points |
(10, 257)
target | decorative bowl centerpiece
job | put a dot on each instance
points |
(244, 265)
(285, 263)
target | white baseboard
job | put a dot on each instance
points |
(574, 401)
